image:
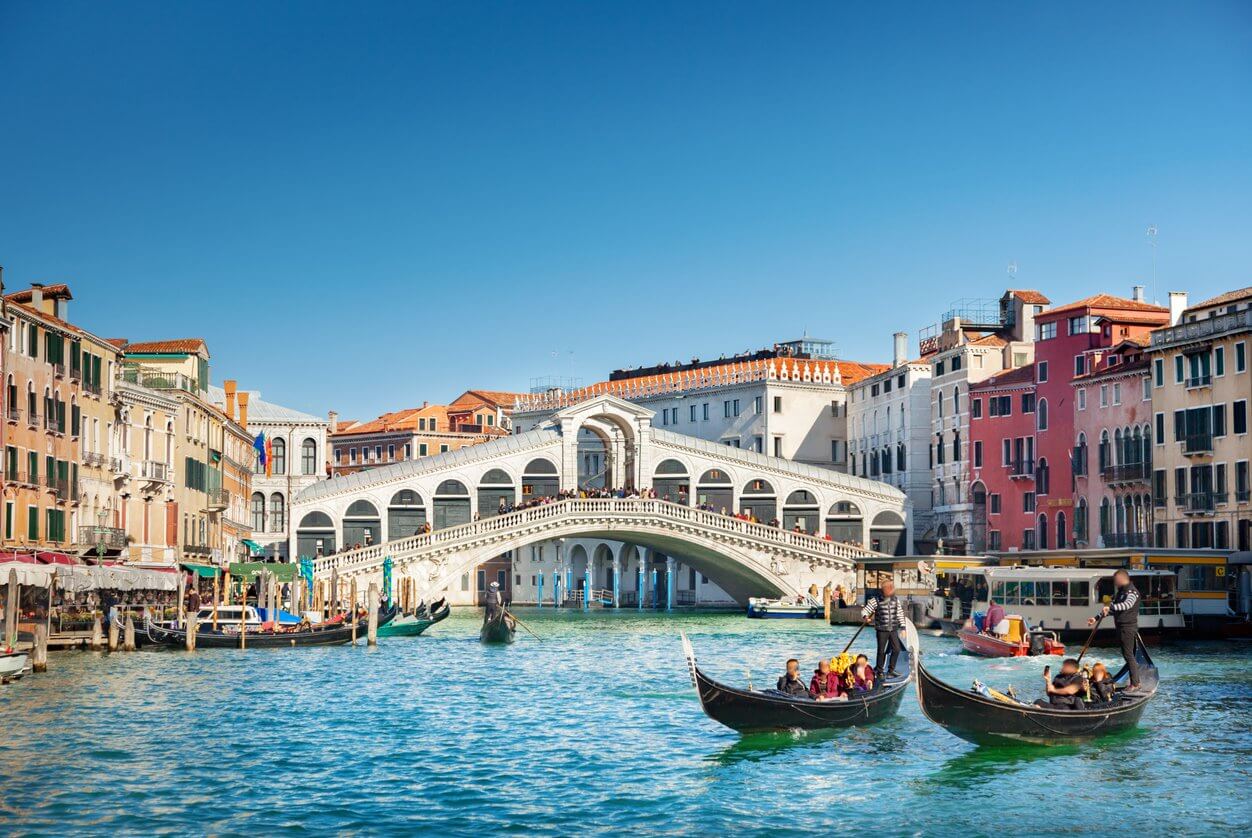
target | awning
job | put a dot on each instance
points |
(252, 545)
(36, 575)
(79, 578)
(282, 571)
(206, 570)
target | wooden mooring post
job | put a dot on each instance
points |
(371, 638)
(128, 637)
(113, 634)
(352, 610)
(97, 634)
(39, 654)
(193, 625)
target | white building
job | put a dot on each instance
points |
(889, 431)
(299, 452)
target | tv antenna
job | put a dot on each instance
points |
(1012, 271)
(1152, 244)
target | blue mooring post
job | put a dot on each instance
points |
(617, 600)
(669, 585)
(640, 586)
(556, 588)
(539, 595)
(656, 600)
(587, 588)
(569, 580)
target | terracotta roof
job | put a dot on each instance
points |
(989, 340)
(118, 342)
(1106, 301)
(1139, 363)
(1027, 295)
(1008, 378)
(1144, 319)
(188, 346)
(1223, 299)
(59, 291)
(495, 398)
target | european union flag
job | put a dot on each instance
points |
(259, 445)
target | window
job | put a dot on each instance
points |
(1104, 395)
(1178, 368)
(421, 449)
(834, 450)
(1007, 452)
(994, 503)
(1042, 415)
(408, 450)
(1045, 331)
(1219, 360)
(956, 446)
(1239, 417)
(778, 446)
(1117, 393)
(1241, 357)
(443, 449)
(736, 406)
(1158, 372)
(352, 455)
(1158, 488)
(756, 405)
(1147, 389)
(1028, 502)
(378, 453)
(975, 408)
(705, 411)
(391, 452)
(1042, 368)
(993, 540)
(956, 363)
(977, 454)
(1079, 325)
(1028, 403)
(726, 409)
(278, 517)
(1082, 398)
(1160, 428)
(258, 512)
(938, 368)
(1080, 364)
(691, 413)
(778, 404)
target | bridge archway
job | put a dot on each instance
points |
(405, 514)
(759, 500)
(844, 523)
(452, 504)
(887, 535)
(540, 479)
(801, 510)
(496, 492)
(315, 535)
(716, 492)
(362, 523)
(672, 482)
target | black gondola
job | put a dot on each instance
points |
(982, 720)
(228, 637)
(501, 628)
(750, 711)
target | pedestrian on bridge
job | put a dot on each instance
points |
(887, 612)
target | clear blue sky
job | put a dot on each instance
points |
(364, 205)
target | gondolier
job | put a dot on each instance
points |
(1124, 606)
(887, 612)
(494, 602)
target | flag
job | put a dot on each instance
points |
(259, 445)
(269, 458)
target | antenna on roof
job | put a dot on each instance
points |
(1012, 271)
(1156, 300)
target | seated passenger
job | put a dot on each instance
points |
(1065, 690)
(995, 623)
(1101, 684)
(825, 684)
(862, 675)
(791, 683)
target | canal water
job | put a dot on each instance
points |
(593, 728)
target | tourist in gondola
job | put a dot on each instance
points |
(1102, 686)
(887, 612)
(1124, 607)
(825, 684)
(1066, 689)
(791, 683)
(862, 675)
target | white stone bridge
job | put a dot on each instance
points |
(610, 441)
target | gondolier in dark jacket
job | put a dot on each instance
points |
(493, 601)
(1124, 606)
(887, 612)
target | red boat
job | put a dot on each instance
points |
(1016, 644)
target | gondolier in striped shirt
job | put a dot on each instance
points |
(887, 612)
(1124, 606)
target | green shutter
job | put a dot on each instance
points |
(32, 345)
(32, 465)
(8, 520)
(32, 523)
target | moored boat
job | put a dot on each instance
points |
(228, 636)
(985, 719)
(13, 665)
(501, 628)
(1019, 642)
(412, 625)
(796, 608)
(749, 710)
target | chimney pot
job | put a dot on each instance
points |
(36, 296)
(1136, 293)
(900, 349)
(229, 386)
(243, 408)
(1177, 304)
(332, 421)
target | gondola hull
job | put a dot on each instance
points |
(415, 625)
(752, 711)
(984, 721)
(501, 629)
(206, 638)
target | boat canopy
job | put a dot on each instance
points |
(283, 571)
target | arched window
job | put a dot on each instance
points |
(361, 524)
(258, 512)
(308, 457)
(1042, 477)
(279, 448)
(956, 401)
(278, 513)
(405, 514)
(1060, 530)
(1106, 520)
(1041, 532)
(1041, 414)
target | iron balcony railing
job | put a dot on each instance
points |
(1194, 382)
(1201, 330)
(1126, 539)
(76, 373)
(154, 470)
(32, 418)
(1242, 496)
(1199, 443)
(91, 387)
(14, 414)
(94, 460)
(1127, 472)
(217, 499)
(1202, 502)
(1022, 468)
(58, 370)
(158, 379)
(110, 537)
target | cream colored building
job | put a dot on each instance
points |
(1201, 387)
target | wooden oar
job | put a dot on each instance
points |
(520, 623)
(1090, 637)
(854, 637)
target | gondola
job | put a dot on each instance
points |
(414, 624)
(984, 720)
(228, 637)
(499, 629)
(751, 711)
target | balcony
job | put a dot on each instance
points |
(217, 500)
(1022, 469)
(1127, 473)
(14, 415)
(112, 538)
(91, 387)
(21, 478)
(158, 379)
(1202, 330)
(1126, 539)
(1197, 444)
(154, 471)
(198, 549)
(58, 370)
(1195, 382)
(1201, 503)
(76, 374)
(1242, 496)
(32, 418)
(91, 460)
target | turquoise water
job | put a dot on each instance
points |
(593, 729)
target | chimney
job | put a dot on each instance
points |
(1136, 293)
(243, 408)
(36, 296)
(332, 420)
(229, 386)
(425, 404)
(900, 349)
(1177, 302)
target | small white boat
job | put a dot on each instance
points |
(13, 665)
(789, 608)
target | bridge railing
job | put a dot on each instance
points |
(626, 508)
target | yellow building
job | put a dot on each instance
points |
(1200, 392)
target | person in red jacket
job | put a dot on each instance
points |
(862, 675)
(825, 684)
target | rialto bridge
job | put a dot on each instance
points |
(489, 500)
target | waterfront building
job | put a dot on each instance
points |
(1002, 459)
(974, 340)
(297, 443)
(472, 418)
(58, 411)
(1201, 449)
(146, 520)
(780, 401)
(1067, 339)
(1112, 454)
(889, 431)
(212, 450)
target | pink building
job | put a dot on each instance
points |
(1002, 457)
